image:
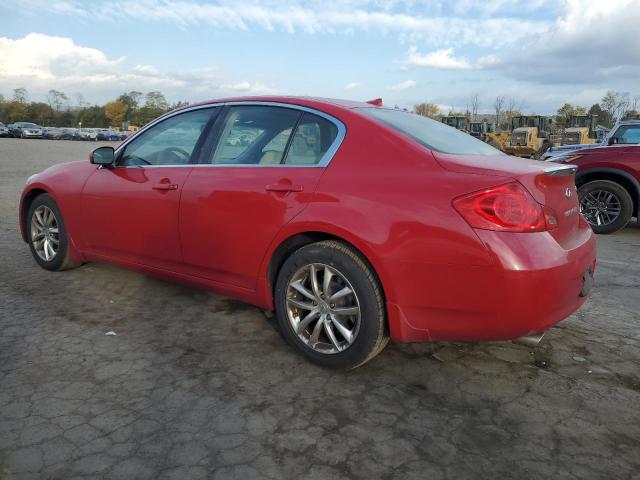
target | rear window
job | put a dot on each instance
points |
(433, 135)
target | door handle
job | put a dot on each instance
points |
(165, 186)
(283, 187)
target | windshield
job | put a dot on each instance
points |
(433, 135)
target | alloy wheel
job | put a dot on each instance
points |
(45, 234)
(323, 308)
(600, 207)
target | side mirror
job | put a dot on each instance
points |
(104, 156)
(613, 140)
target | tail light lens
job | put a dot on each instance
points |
(507, 208)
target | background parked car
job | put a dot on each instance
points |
(4, 130)
(27, 130)
(608, 182)
(55, 133)
(88, 134)
(624, 132)
(52, 133)
(108, 135)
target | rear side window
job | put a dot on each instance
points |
(255, 135)
(313, 137)
(433, 135)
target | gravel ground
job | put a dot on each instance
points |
(195, 385)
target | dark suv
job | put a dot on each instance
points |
(608, 181)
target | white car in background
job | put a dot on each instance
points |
(88, 134)
(4, 130)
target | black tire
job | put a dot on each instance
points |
(372, 334)
(622, 196)
(62, 259)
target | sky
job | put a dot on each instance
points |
(540, 53)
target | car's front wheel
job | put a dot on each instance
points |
(606, 205)
(330, 305)
(47, 235)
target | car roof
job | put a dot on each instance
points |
(311, 102)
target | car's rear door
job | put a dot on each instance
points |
(130, 212)
(264, 164)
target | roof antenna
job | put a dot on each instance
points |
(376, 101)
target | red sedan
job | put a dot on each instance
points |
(355, 223)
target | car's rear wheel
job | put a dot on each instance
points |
(330, 306)
(606, 205)
(47, 235)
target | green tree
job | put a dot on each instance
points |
(93, 117)
(615, 104)
(57, 99)
(115, 112)
(132, 100)
(430, 110)
(156, 100)
(20, 95)
(40, 113)
(16, 111)
(603, 117)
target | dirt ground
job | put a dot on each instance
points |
(195, 385)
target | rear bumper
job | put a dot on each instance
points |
(534, 283)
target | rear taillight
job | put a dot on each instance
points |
(507, 208)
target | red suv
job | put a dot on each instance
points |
(608, 181)
(354, 222)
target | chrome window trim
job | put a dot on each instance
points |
(324, 161)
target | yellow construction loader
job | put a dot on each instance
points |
(481, 129)
(461, 122)
(497, 139)
(529, 136)
(580, 130)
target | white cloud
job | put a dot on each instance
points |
(311, 17)
(439, 59)
(406, 85)
(352, 85)
(246, 87)
(44, 58)
(146, 70)
(41, 62)
(590, 42)
(488, 61)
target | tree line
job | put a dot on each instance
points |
(130, 108)
(613, 105)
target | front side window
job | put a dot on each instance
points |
(314, 136)
(629, 134)
(255, 135)
(170, 142)
(433, 135)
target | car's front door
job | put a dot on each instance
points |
(264, 164)
(130, 212)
